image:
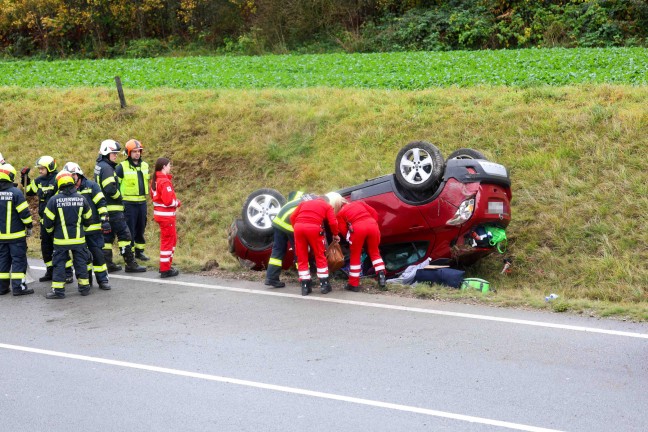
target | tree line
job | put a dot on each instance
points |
(145, 28)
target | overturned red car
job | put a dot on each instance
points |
(430, 207)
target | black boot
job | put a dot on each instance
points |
(325, 286)
(110, 265)
(131, 264)
(48, 275)
(382, 281)
(139, 254)
(104, 286)
(306, 287)
(55, 294)
(5, 289)
(84, 290)
(69, 275)
(272, 277)
(350, 287)
(169, 273)
(22, 290)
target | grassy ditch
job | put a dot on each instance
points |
(576, 155)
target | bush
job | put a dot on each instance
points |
(143, 48)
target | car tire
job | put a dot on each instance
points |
(467, 153)
(260, 207)
(419, 166)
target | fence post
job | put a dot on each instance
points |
(120, 92)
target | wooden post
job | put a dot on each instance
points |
(120, 92)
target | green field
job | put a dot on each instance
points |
(403, 70)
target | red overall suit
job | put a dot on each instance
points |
(358, 223)
(165, 204)
(307, 220)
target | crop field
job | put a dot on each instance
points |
(402, 70)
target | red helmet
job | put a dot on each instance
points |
(131, 145)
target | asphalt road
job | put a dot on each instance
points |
(201, 354)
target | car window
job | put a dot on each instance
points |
(400, 255)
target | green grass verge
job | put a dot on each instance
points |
(401, 70)
(576, 155)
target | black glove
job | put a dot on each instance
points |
(24, 175)
(105, 226)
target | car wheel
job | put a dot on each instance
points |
(260, 207)
(419, 166)
(466, 153)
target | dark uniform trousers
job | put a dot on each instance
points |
(119, 229)
(13, 259)
(135, 214)
(95, 243)
(280, 246)
(47, 248)
(80, 263)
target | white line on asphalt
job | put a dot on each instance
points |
(279, 388)
(382, 306)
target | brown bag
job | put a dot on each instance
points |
(334, 257)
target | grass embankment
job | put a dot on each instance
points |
(577, 157)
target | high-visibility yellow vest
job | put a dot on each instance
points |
(134, 186)
(282, 220)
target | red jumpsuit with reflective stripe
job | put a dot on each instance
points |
(165, 204)
(363, 220)
(307, 220)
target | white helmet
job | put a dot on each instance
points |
(73, 168)
(2, 160)
(109, 146)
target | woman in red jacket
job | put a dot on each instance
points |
(307, 220)
(358, 223)
(165, 204)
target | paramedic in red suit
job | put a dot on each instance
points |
(307, 220)
(165, 204)
(358, 223)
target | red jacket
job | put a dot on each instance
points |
(314, 212)
(355, 212)
(164, 198)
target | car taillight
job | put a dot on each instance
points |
(495, 207)
(463, 213)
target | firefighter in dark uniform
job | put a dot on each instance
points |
(66, 215)
(284, 237)
(107, 179)
(98, 224)
(44, 187)
(13, 234)
(133, 174)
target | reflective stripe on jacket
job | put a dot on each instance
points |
(14, 213)
(282, 220)
(107, 180)
(45, 188)
(164, 198)
(133, 180)
(64, 215)
(92, 193)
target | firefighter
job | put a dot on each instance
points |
(358, 223)
(283, 237)
(66, 215)
(44, 186)
(133, 174)
(107, 179)
(307, 220)
(13, 234)
(165, 204)
(99, 224)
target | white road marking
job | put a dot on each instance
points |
(293, 390)
(383, 306)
